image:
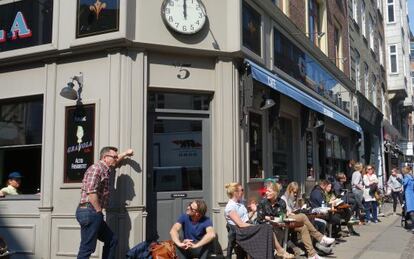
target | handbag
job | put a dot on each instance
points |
(163, 250)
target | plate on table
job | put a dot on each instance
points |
(289, 220)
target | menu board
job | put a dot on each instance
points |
(79, 141)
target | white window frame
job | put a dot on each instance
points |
(379, 5)
(390, 54)
(380, 51)
(393, 10)
(358, 71)
(363, 20)
(373, 90)
(371, 32)
(355, 10)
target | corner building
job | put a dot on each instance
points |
(254, 94)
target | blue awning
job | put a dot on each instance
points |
(273, 81)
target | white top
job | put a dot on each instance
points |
(9, 190)
(237, 207)
(369, 179)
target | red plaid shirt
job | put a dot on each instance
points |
(96, 180)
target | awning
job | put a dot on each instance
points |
(273, 81)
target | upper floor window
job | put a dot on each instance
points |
(380, 51)
(363, 20)
(355, 10)
(379, 5)
(357, 68)
(366, 79)
(393, 58)
(373, 91)
(338, 50)
(390, 11)
(21, 122)
(371, 33)
(252, 29)
(314, 22)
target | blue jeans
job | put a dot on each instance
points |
(371, 206)
(93, 227)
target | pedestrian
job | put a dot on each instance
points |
(395, 184)
(13, 183)
(94, 199)
(358, 188)
(408, 184)
(198, 232)
(371, 186)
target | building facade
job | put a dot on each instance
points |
(244, 91)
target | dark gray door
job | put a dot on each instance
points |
(179, 167)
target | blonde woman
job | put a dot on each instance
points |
(371, 185)
(272, 206)
(256, 240)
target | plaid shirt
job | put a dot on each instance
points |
(96, 180)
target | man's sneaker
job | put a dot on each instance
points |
(353, 220)
(326, 250)
(327, 241)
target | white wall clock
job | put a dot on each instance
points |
(184, 16)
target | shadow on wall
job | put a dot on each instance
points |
(122, 194)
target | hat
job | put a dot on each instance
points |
(15, 175)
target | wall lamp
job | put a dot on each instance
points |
(319, 123)
(69, 92)
(266, 103)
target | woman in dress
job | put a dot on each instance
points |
(256, 240)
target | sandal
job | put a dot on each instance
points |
(285, 255)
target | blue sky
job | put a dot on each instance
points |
(411, 14)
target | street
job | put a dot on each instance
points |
(386, 239)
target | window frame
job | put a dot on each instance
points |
(262, 36)
(392, 5)
(363, 20)
(357, 62)
(355, 10)
(390, 55)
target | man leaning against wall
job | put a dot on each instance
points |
(95, 198)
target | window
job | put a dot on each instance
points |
(355, 10)
(380, 51)
(390, 11)
(314, 22)
(337, 44)
(21, 122)
(357, 71)
(411, 50)
(373, 91)
(403, 61)
(379, 5)
(366, 79)
(363, 22)
(393, 58)
(252, 29)
(371, 33)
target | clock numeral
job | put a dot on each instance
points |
(200, 15)
(198, 22)
(176, 24)
(171, 3)
(191, 27)
(167, 10)
(198, 8)
(170, 18)
(184, 28)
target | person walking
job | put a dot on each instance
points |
(395, 184)
(371, 186)
(358, 188)
(94, 199)
(408, 184)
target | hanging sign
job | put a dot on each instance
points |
(79, 141)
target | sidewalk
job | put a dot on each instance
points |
(386, 239)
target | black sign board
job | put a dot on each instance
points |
(79, 141)
(97, 17)
(25, 23)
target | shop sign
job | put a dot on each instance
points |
(25, 23)
(79, 141)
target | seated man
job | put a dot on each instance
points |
(198, 232)
(13, 184)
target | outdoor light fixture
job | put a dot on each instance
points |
(69, 92)
(266, 103)
(319, 123)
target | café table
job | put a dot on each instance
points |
(287, 224)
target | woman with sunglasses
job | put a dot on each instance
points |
(255, 240)
(371, 185)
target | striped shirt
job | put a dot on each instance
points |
(96, 180)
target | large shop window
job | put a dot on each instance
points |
(21, 141)
(282, 151)
(336, 154)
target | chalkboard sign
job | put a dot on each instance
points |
(79, 141)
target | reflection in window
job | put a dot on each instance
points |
(21, 122)
(336, 154)
(252, 29)
(179, 101)
(256, 145)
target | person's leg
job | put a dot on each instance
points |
(374, 206)
(367, 206)
(400, 198)
(89, 222)
(306, 239)
(311, 228)
(202, 252)
(110, 241)
(181, 253)
(394, 196)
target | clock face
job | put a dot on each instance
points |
(184, 16)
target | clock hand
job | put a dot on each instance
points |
(185, 9)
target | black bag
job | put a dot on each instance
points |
(372, 189)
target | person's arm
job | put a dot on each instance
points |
(2, 194)
(365, 180)
(121, 156)
(175, 235)
(236, 219)
(93, 199)
(207, 238)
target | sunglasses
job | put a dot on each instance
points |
(114, 157)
